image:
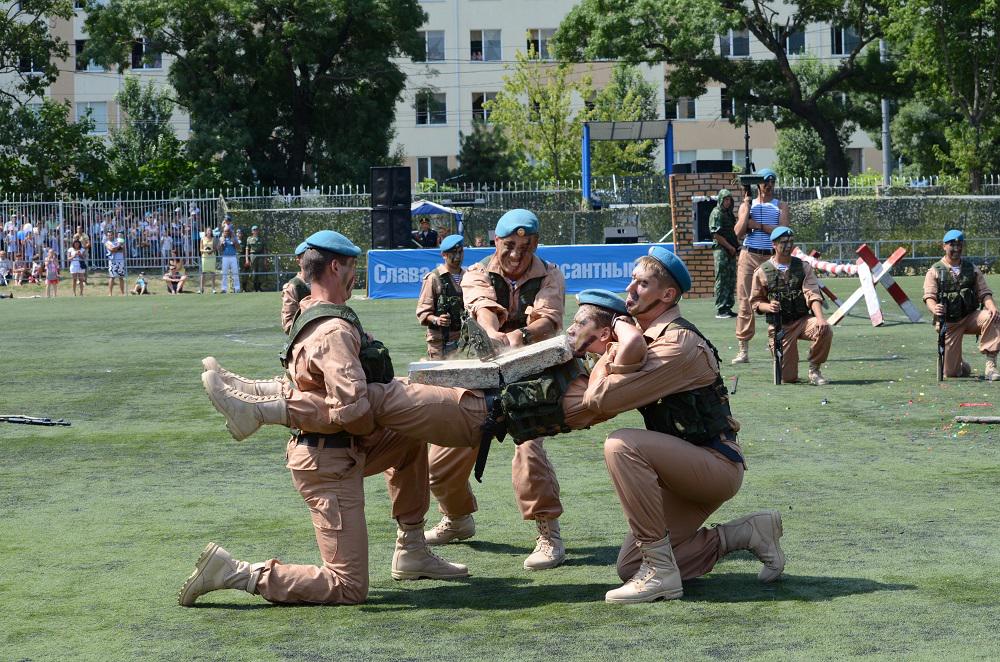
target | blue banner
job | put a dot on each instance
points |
(397, 274)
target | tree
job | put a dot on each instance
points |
(800, 153)
(485, 155)
(43, 150)
(626, 97)
(286, 93)
(953, 48)
(917, 133)
(534, 110)
(31, 51)
(685, 35)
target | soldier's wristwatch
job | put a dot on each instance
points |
(525, 336)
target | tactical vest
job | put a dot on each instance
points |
(533, 407)
(787, 289)
(450, 301)
(525, 296)
(957, 295)
(374, 356)
(700, 416)
(301, 288)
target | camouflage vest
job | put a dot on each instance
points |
(525, 296)
(300, 287)
(787, 289)
(957, 295)
(375, 359)
(700, 415)
(533, 407)
(450, 301)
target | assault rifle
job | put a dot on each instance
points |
(779, 338)
(942, 329)
(33, 420)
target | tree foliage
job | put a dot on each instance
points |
(535, 111)
(953, 48)
(485, 155)
(685, 35)
(284, 93)
(42, 149)
(30, 50)
(800, 153)
(626, 97)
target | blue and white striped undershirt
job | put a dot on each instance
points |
(768, 214)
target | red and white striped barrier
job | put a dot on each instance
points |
(871, 272)
(833, 268)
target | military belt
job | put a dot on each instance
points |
(759, 251)
(728, 451)
(315, 440)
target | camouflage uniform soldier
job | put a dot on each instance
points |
(440, 304)
(255, 261)
(722, 225)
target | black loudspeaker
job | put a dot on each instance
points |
(681, 168)
(392, 228)
(702, 212)
(390, 187)
(621, 235)
(713, 165)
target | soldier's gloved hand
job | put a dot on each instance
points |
(444, 320)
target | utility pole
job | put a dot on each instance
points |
(746, 137)
(886, 147)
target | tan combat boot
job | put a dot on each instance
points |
(991, 374)
(549, 549)
(759, 533)
(451, 528)
(216, 570)
(244, 413)
(656, 579)
(743, 356)
(240, 383)
(816, 377)
(413, 560)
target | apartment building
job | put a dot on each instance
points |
(469, 46)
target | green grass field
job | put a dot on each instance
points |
(890, 512)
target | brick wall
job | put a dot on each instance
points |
(699, 260)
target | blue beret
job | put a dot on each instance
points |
(301, 248)
(767, 173)
(674, 265)
(516, 220)
(953, 235)
(451, 241)
(604, 299)
(328, 240)
(780, 232)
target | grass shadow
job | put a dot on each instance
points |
(744, 587)
(601, 555)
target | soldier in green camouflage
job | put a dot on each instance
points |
(722, 225)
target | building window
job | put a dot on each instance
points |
(144, 57)
(433, 46)
(479, 112)
(79, 4)
(680, 109)
(84, 64)
(856, 157)
(738, 157)
(432, 167)
(795, 42)
(728, 108)
(29, 65)
(431, 107)
(538, 41)
(685, 156)
(735, 43)
(484, 46)
(669, 107)
(98, 113)
(844, 40)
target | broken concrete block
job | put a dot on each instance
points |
(512, 366)
(531, 360)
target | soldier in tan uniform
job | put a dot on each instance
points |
(687, 462)
(440, 303)
(518, 298)
(785, 288)
(956, 292)
(329, 352)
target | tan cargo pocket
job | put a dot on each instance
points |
(325, 511)
(301, 458)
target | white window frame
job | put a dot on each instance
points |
(81, 111)
(540, 38)
(727, 43)
(426, 36)
(430, 114)
(841, 33)
(484, 51)
(425, 167)
(143, 65)
(487, 96)
(788, 46)
(90, 66)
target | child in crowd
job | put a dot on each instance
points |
(51, 274)
(36, 272)
(140, 285)
(20, 270)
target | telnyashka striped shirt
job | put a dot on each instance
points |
(766, 213)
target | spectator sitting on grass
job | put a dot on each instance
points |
(175, 276)
(140, 285)
(20, 270)
(36, 271)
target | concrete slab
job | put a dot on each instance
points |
(531, 360)
(514, 365)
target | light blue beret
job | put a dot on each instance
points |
(521, 221)
(780, 232)
(328, 240)
(301, 248)
(451, 241)
(953, 235)
(604, 299)
(674, 265)
(767, 173)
